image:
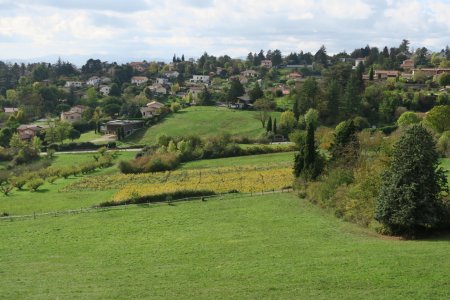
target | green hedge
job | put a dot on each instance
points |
(160, 197)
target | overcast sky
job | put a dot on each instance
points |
(149, 29)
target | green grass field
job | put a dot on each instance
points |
(273, 246)
(202, 121)
(256, 160)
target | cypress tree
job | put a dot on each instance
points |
(371, 73)
(411, 198)
(269, 125)
(274, 127)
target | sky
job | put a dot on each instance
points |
(117, 30)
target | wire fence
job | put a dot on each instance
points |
(125, 206)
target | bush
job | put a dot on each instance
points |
(19, 182)
(135, 199)
(156, 162)
(34, 184)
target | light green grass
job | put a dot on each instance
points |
(49, 198)
(202, 121)
(256, 160)
(266, 247)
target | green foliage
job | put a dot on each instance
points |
(5, 136)
(408, 118)
(19, 182)
(156, 162)
(345, 146)
(175, 107)
(34, 184)
(308, 163)
(256, 93)
(411, 198)
(205, 98)
(438, 118)
(444, 143)
(287, 122)
(236, 90)
(269, 124)
(308, 95)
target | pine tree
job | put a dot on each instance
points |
(269, 125)
(182, 57)
(333, 97)
(352, 100)
(411, 198)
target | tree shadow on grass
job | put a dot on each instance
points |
(41, 191)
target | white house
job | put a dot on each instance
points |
(162, 80)
(266, 63)
(93, 81)
(250, 73)
(75, 84)
(104, 89)
(10, 110)
(200, 79)
(138, 80)
(358, 61)
(74, 114)
(151, 109)
(173, 74)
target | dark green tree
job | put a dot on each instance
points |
(321, 56)
(345, 145)
(352, 100)
(274, 127)
(411, 198)
(74, 134)
(205, 97)
(256, 93)
(308, 162)
(308, 95)
(296, 108)
(371, 73)
(236, 90)
(332, 98)
(269, 125)
(114, 90)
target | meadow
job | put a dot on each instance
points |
(272, 246)
(204, 122)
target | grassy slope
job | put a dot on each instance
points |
(202, 121)
(273, 246)
(263, 159)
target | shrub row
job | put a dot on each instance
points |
(160, 197)
(79, 146)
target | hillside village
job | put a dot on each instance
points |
(99, 92)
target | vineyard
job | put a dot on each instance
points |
(244, 179)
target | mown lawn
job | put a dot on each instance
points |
(204, 122)
(274, 246)
(256, 160)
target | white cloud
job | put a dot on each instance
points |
(160, 28)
